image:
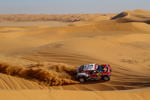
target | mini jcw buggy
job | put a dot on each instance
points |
(93, 72)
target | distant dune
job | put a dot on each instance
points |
(46, 17)
(133, 16)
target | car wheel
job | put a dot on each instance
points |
(106, 78)
(81, 79)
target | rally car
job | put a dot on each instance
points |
(93, 72)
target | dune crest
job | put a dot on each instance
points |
(133, 16)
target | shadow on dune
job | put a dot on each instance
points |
(94, 82)
(120, 15)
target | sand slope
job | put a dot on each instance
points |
(74, 95)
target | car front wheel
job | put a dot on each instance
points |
(81, 79)
(106, 78)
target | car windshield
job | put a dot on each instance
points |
(86, 67)
(89, 67)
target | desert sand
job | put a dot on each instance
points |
(39, 55)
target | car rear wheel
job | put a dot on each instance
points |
(81, 79)
(106, 78)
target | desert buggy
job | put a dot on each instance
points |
(93, 72)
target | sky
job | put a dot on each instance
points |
(70, 6)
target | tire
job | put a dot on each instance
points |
(106, 78)
(82, 79)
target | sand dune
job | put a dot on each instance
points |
(133, 16)
(42, 56)
(35, 36)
